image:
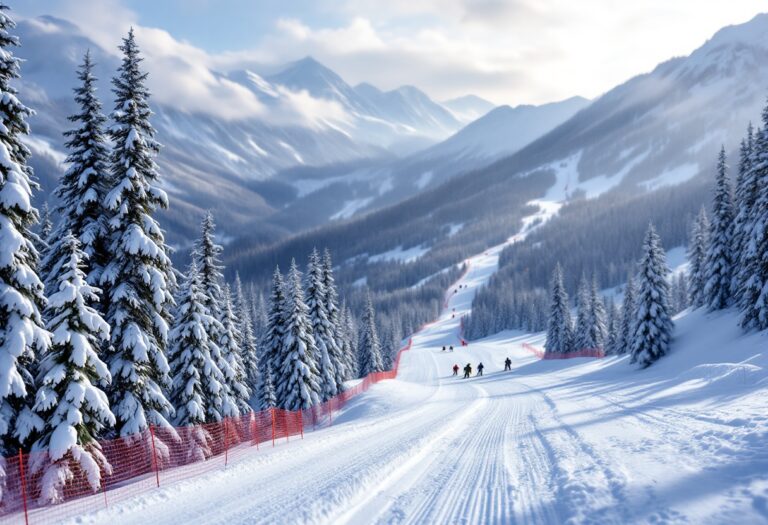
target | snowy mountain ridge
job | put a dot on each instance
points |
(309, 117)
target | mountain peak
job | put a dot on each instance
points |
(754, 31)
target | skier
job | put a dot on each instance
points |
(467, 371)
(443, 348)
(507, 364)
(455, 370)
(480, 369)
(451, 348)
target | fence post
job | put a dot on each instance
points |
(330, 412)
(255, 429)
(285, 425)
(301, 423)
(226, 442)
(272, 412)
(104, 489)
(23, 486)
(154, 455)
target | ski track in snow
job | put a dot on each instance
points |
(550, 442)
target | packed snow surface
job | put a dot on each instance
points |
(550, 442)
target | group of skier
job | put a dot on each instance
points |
(480, 367)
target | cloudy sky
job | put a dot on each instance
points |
(509, 51)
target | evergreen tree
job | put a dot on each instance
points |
(274, 330)
(322, 329)
(369, 347)
(627, 329)
(559, 328)
(754, 293)
(719, 262)
(349, 340)
(207, 255)
(83, 187)
(745, 196)
(21, 300)
(139, 277)
(46, 227)
(234, 374)
(697, 257)
(267, 397)
(682, 292)
(583, 336)
(260, 318)
(248, 348)
(197, 380)
(597, 326)
(614, 330)
(334, 316)
(69, 400)
(297, 379)
(653, 323)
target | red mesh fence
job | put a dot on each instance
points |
(158, 456)
(584, 352)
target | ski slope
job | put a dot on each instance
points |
(576, 441)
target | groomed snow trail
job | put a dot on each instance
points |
(577, 441)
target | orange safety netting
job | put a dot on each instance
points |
(160, 456)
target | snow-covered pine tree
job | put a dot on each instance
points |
(697, 257)
(614, 329)
(69, 401)
(259, 309)
(754, 294)
(83, 187)
(583, 332)
(745, 195)
(139, 278)
(322, 329)
(369, 347)
(597, 324)
(207, 255)
(46, 226)
(681, 292)
(248, 349)
(274, 330)
(21, 300)
(334, 316)
(349, 340)
(197, 380)
(266, 392)
(719, 262)
(297, 379)
(627, 329)
(653, 322)
(234, 374)
(559, 325)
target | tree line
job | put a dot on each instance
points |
(728, 267)
(101, 337)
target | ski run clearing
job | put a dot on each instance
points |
(567, 441)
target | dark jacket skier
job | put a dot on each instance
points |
(480, 369)
(507, 364)
(467, 371)
(455, 370)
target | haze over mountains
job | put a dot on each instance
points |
(656, 130)
(266, 178)
(317, 127)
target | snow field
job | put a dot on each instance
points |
(567, 441)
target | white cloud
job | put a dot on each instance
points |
(185, 77)
(510, 51)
